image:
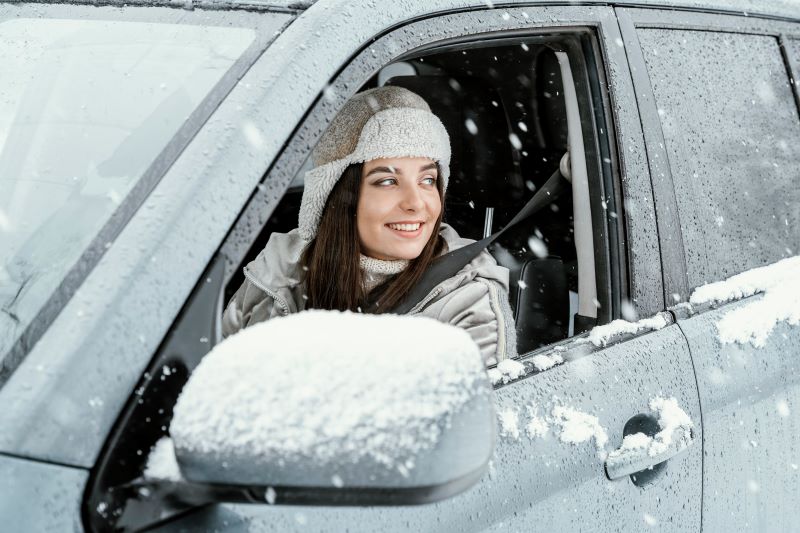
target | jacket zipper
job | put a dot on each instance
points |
(431, 295)
(284, 306)
(501, 325)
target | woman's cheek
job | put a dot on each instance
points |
(435, 205)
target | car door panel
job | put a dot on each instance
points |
(736, 210)
(562, 486)
(751, 420)
(541, 483)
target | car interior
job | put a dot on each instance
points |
(504, 109)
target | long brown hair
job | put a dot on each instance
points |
(333, 278)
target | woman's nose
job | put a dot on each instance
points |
(411, 199)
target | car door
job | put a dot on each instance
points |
(548, 470)
(563, 407)
(737, 210)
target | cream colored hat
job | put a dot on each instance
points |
(383, 122)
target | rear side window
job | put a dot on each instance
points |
(732, 136)
(85, 107)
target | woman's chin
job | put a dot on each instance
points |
(393, 247)
(397, 254)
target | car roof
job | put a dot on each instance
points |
(294, 6)
(774, 8)
(783, 9)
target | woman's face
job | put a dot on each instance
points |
(398, 207)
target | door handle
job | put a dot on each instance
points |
(640, 451)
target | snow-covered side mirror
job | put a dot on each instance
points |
(335, 408)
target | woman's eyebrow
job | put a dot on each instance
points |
(387, 170)
(393, 170)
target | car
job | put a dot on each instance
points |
(149, 149)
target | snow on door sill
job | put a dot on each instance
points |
(753, 323)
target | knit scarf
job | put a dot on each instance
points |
(376, 271)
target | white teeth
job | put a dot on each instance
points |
(405, 227)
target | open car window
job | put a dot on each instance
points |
(504, 106)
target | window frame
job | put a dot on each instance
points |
(437, 32)
(791, 56)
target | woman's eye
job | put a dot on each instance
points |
(386, 182)
(429, 180)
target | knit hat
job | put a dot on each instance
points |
(387, 121)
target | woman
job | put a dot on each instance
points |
(370, 224)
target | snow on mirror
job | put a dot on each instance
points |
(338, 405)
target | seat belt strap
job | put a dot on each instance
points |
(447, 265)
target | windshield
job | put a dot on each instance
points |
(85, 107)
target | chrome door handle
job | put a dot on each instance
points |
(640, 451)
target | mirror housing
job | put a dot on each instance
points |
(336, 408)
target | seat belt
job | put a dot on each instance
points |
(447, 265)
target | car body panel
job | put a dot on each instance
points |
(37, 496)
(751, 419)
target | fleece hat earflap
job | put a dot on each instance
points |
(378, 123)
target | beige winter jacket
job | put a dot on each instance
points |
(475, 299)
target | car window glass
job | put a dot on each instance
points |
(85, 108)
(733, 147)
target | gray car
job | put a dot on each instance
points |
(148, 150)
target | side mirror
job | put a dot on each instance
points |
(332, 408)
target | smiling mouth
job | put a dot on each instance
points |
(410, 228)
